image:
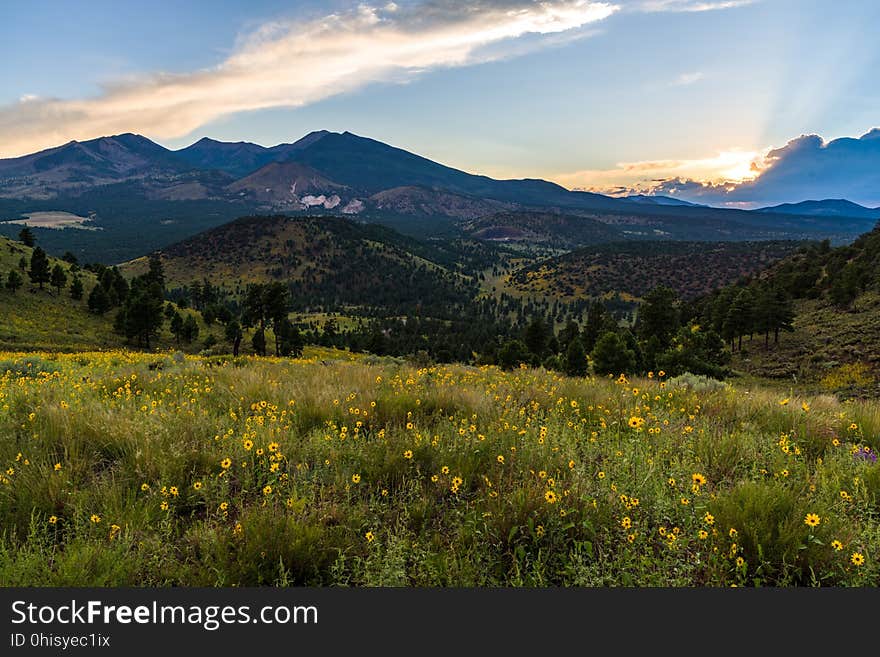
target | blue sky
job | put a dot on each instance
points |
(591, 95)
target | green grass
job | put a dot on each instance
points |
(46, 320)
(364, 472)
(824, 337)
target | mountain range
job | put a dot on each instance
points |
(328, 164)
(827, 208)
(131, 187)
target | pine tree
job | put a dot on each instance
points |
(58, 278)
(26, 235)
(13, 281)
(258, 342)
(611, 356)
(536, 337)
(142, 313)
(233, 335)
(570, 332)
(190, 329)
(289, 339)
(76, 289)
(659, 315)
(845, 287)
(783, 314)
(99, 300)
(512, 354)
(596, 317)
(156, 273)
(576, 358)
(176, 326)
(740, 317)
(39, 271)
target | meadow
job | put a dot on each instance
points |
(124, 468)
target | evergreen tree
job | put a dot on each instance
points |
(740, 317)
(611, 356)
(259, 342)
(254, 311)
(720, 307)
(570, 332)
(782, 316)
(659, 315)
(76, 289)
(22, 264)
(190, 329)
(39, 270)
(142, 313)
(176, 326)
(13, 281)
(576, 358)
(845, 287)
(330, 334)
(69, 258)
(209, 315)
(697, 351)
(376, 342)
(651, 351)
(58, 278)
(99, 300)
(233, 334)
(289, 339)
(277, 305)
(267, 305)
(773, 312)
(26, 236)
(513, 353)
(596, 316)
(156, 273)
(120, 285)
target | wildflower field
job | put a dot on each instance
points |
(122, 468)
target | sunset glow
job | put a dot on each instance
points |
(732, 165)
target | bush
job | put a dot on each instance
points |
(697, 383)
(32, 366)
(848, 375)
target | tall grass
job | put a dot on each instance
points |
(128, 469)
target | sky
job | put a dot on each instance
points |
(696, 98)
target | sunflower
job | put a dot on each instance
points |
(812, 520)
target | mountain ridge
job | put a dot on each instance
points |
(836, 207)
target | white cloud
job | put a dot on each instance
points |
(291, 64)
(691, 5)
(686, 79)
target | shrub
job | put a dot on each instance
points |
(848, 375)
(30, 366)
(697, 383)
